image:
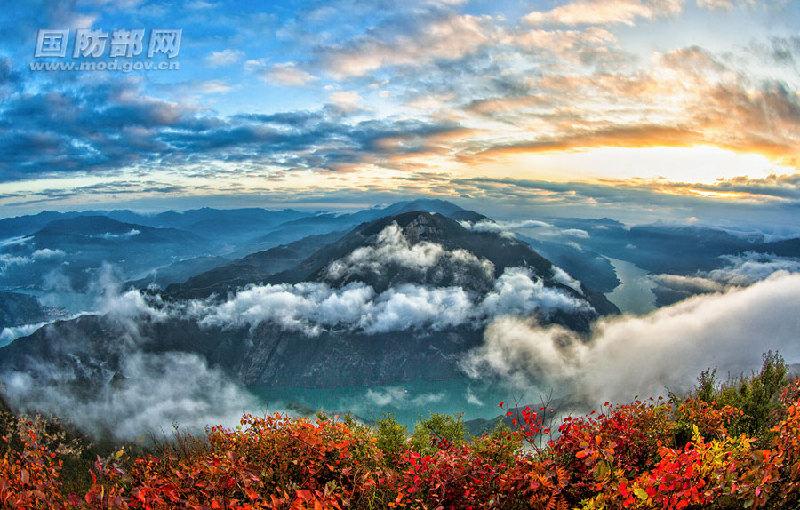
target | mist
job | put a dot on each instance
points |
(627, 357)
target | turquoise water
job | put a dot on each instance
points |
(407, 402)
(635, 292)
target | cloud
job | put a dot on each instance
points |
(346, 100)
(414, 307)
(516, 292)
(741, 270)
(540, 228)
(8, 260)
(600, 12)
(632, 356)
(437, 36)
(151, 393)
(313, 307)
(503, 228)
(473, 399)
(687, 285)
(725, 5)
(134, 395)
(127, 235)
(12, 333)
(564, 278)
(752, 267)
(288, 74)
(392, 248)
(11, 241)
(223, 58)
(214, 87)
(399, 397)
(716, 4)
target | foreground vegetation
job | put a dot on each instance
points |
(731, 445)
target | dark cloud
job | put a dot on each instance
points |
(106, 127)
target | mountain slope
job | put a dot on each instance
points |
(270, 336)
(254, 268)
(417, 227)
(17, 309)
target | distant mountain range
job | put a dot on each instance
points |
(671, 249)
(423, 250)
(407, 256)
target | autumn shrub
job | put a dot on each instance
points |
(721, 446)
(438, 431)
(603, 447)
(392, 438)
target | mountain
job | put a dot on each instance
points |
(670, 249)
(76, 248)
(785, 248)
(418, 227)
(176, 272)
(88, 230)
(254, 268)
(227, 224)
(17, 309)
(587, 266)
(412, 256)
(325, 223)
(313, 233)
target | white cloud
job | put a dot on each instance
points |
(7, 260)
(346, 100)
(564, 278)
(150, 392)
(215, 87)
(633, 356)
(399, 397)
(288, 74)
(314, 307)
(15, 240)
(506, 228)
(411, 306)
(752, 267)
(741, 270)
(223, 58)
(126, 235)
(7, 335)
(304, 306)
(448, 37)
(155, 392)
(603, 12)
(473, 399)
(392, 248)
(725, 5)
(503, 228)
(517, 292)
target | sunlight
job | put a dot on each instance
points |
(698, 164)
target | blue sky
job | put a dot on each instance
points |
(682, 110)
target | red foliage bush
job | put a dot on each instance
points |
(624, 457)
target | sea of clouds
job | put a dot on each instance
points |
(749, 306)
(626, 356)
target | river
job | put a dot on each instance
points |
(635, 292)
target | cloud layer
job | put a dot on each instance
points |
(149, 395)
(629, 356)
(740, 270)
(311, 307)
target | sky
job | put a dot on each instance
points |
(680, 111)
